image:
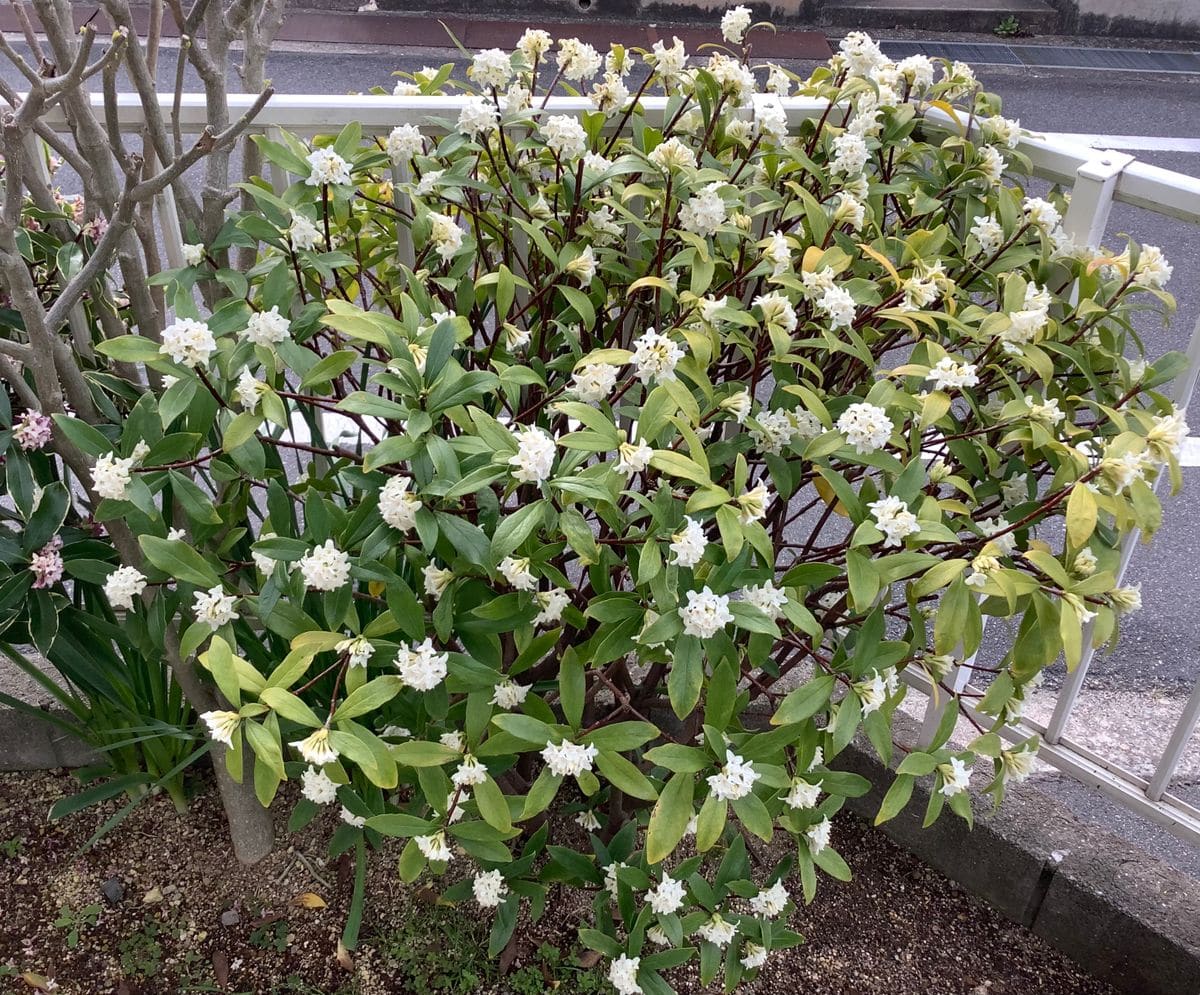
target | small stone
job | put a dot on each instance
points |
(230, 917)
(113, 891)
(153, 896)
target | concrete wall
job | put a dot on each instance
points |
(1152, 18)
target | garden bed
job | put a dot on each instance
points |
(180, 917)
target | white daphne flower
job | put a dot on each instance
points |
(222, 725)
(348, 817)
(949, 375)
(672, 155)
(1047, 412)
(428, 182)
(766, 597)
(325, 568)
(397, 506)
(656, 936)
(754, 955)
(850, 155)
(1006, 543)
(988, 233)
(604, 224)
(777, 312)
(491, 68)
(738, 405)
(189, 342)
(771, 902)
(735, 780)
(264, 563)
(1085, 562)
(1152, 268)
(587, 820)
(327, 167)
(437, 579)
(772, 119)
(917, 70)
(316, 748)
(454, 739)
(705, 614)
(778, 253)
(404, 142)
(515, 99)
(490, 888)
(668, 897)
(894, 520)
(633, 457)
(421, 666)
(622, 974)
(872, 693)
(1002, 130)
(778, 81)
(668, 62)
(317, 787)
(753, 505)
(249, 390)
(1041, 213)
(1166, 436)
(357, 650)
(594, 382)
(801, 794)
(33, 430)
(469, 773)
(214, 607)
(267, 328)
(552, 603)
(534, 460)
(838, 305)
(1126, 600)
(533, 44)
(111, 476)
(717, 931)
(655, 357)
(569, 759)
(123, 585)
(564, 136)
(193, 255)
(515, 571)
(577, 60)
(705, 212)
(860, 53)
(445, 236)
(818, 836)
(689, 543)
(509, 695)
(302, 233)
(478, 116)
(180, 534)
(955, 777)
(583, 267)
(735, 23)
(434, 848)
(1017, 764)
(866, 427)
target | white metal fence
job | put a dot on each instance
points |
(1096, 178)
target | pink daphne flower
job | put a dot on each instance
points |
(47, 564)
(32, 430)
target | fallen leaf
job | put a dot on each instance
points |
(152, 897)
(345, 961)
(309, 900)
(220, 963)
(589, 958)
(38, 982)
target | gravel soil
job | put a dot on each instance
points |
(158, 908)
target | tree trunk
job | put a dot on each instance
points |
(251, 828)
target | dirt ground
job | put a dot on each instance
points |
(158, 908)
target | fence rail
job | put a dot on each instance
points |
(1097, 178)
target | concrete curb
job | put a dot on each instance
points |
(28, 743)
(1127, 917)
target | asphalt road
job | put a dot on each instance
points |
(1134, 694)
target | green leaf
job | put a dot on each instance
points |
(754, 816)
(805, 701)
(177, 559)
(670, 817)
(624, 775)
(289, 706)
(240, 430)
(329, 368)
(514, 529)
(130, 349)
(417, 753)
(896, 798)
(372, 695)
(686, 676)
(492, 805)
(1081, 514)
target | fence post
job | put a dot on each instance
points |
(1085, 221)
